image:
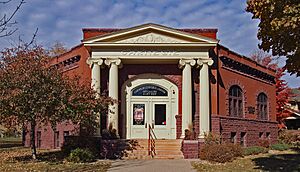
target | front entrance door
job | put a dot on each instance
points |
(152, 102)
(152, 112)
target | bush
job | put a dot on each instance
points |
(220, 152)
(81, 155)
(84, 142)
(280, 146)
(263, 143)
(211, 138)
(288, 137)
(254, 150)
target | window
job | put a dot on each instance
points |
(261, 134)
(262, 106)
(56, 139)
(235, 101)
(39, 139)
(66, 133)
(160, 114)
(243, 139)
(233, 137)
(268, 135)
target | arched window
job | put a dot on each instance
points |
(235, 101)
(262, 106)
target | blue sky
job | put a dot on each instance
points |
(62, 20)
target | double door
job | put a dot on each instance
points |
(153, 112)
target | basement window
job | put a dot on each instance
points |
(56, 139)
(233, 137)
(261, 134)
(243, 139)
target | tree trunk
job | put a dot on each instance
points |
(32, 139)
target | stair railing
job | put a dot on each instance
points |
(151, 141)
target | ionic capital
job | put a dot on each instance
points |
(207, 61)
(91, 61)
(183, 62)
(115, 61)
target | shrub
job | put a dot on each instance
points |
(81, 155)
(264, 143)
(287, 137)
(83, 142)
(254, 150)
(211, 138)
(280, 146)
(220, 152)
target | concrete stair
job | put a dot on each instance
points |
(164, 149)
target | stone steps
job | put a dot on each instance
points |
(164, 149)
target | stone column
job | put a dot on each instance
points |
(96, 76)
(113, 112)
(204, 119)
(96, 83)
(186, 65)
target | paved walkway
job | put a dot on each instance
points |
(151, 166)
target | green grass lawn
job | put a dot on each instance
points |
(19, 159)
(274, 161)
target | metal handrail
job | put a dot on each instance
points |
(151, 141)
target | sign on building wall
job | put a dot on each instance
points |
(149, 90)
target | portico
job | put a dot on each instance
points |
(160, 100)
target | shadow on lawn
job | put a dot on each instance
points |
(51, 157)
(108, 149)
(10, 145)
(279, 162)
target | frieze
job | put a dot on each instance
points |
(149, 53)
(245, 69)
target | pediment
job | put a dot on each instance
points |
(152, 38)
(150, 34)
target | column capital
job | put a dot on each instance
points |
(183, 62)
(91, 61)
(115, 61)
(203, 61)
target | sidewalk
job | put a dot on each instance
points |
(151, 166)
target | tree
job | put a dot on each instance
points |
(6, 21)
(33, 93)
(282, 97)
(57, 49)
(279, 29)
(282, 90)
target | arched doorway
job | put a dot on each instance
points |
(150, 99)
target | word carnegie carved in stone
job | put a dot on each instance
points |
(149, 53)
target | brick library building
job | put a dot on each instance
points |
(171, 80)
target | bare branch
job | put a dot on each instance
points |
(6, 21)
(5, 2)
(33, 38)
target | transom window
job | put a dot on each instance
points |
(262, 106)
(235, 101)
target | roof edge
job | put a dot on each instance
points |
(246, 58)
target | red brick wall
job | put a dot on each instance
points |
(78, 69)
(251, 127)
(190, 149)
(251, 88)
(47, 134)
